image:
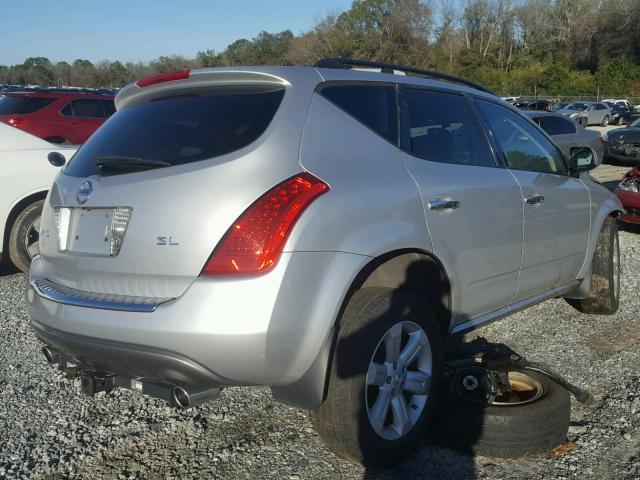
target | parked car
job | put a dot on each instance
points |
(621, 102)
(25, 179)
(622, 115)
(57, 116)
(559, 106)
(318, 230)
(511, 100)
(588, 113)
(628, 192)
(567, 133)
(524, 104)
(623, 144)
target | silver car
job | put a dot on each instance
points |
(567, 133)
(588, 113)
(320, 230)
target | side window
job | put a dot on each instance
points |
(373, 105)
(557, 126)
(443, 128)
(33, 104)
(109, 107)
(67, 111)
(88, 108)
(524, 147)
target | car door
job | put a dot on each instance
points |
(473, 208)
(88, 115)
(556, 205)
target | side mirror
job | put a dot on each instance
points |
(583, 159)
(56, 159)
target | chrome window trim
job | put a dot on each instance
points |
(104, 301)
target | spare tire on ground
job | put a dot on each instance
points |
(533, 424)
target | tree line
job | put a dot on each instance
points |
(551, 47)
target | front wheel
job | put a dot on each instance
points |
(604, 296)
(24, 240)
(605, 121)
(385, 378)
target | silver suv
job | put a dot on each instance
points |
(320, 230)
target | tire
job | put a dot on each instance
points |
(506, 431)
(56, 140)
(343, 420)
(584, 122)
(21, 251)
(605, 121)
(604, 297)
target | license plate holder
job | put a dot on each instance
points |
(89, 231)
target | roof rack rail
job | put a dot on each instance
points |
(346, 63)
(27, 89)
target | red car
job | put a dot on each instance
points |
(628, 193)
(56, 115)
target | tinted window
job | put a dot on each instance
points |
(67, 111)
(524, 147)
(181, 129)
(556, 125)
(33, 104)
(88, 108)
(373, 105)
(10, 104)
(442, 128)
(109, 107)
(576, 106)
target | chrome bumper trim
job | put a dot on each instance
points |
(104, 301)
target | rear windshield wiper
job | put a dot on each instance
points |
(111, 164)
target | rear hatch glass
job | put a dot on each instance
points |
(11, 105)
(178, 129)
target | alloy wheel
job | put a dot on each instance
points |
(399, 380)
(32, 238)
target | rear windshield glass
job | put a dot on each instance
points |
(181, 129)
(11, 105)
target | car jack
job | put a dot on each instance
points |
(484, 377)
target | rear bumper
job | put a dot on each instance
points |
(263, 330)
(127, 360)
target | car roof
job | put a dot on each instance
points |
(287, 76)
(58, 94)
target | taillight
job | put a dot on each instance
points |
(164, 77)
(254, 242)
(16, 122)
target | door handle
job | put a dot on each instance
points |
(534, 199)
(440, 204)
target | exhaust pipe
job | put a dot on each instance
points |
(181, 397)
(50, 355)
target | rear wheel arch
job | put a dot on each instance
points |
(412, 269)
(15, 212)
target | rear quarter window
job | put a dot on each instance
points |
(11, 105)
(373, 105)
(183, 128)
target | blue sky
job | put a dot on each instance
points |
(144, 29)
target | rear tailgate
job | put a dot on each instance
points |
(222, 154)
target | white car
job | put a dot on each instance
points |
(25, 178)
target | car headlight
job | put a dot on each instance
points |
(574, 115)
(629, 184)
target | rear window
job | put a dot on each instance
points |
(11, 105)
(181, 129)
(556, 125)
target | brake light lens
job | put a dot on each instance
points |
(254, 242)
(164, 77)
(16, 122)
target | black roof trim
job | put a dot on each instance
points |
(347, 63)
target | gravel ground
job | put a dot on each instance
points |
(48, 430)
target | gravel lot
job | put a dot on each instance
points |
(48, 430)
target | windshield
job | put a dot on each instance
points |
(576, 106)
(179, 129)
